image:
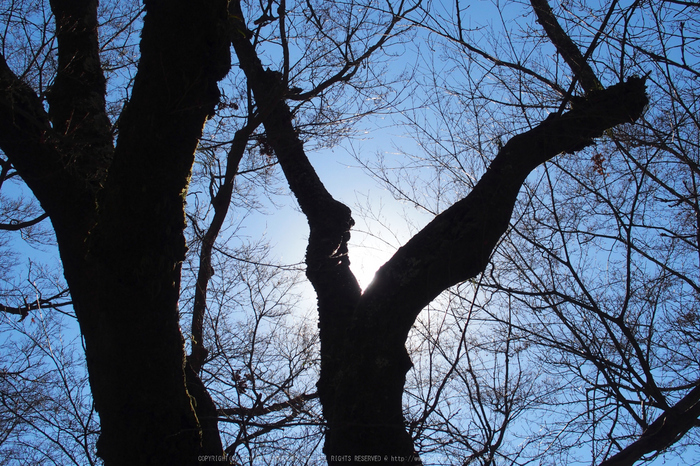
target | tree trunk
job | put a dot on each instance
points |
(455, 246)
(363, 356)
(119, 218)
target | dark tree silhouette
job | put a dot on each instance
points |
(363, 335)
(118, 213)
(117, 209)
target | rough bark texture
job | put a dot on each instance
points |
(363, 355)
(118, 214)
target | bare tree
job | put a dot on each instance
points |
(46, 411)
(113, 181)
(595, 284)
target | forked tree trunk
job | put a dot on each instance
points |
(363, 355)
(118, 214)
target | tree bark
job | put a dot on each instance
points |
(363, 355)
(454, 247)
(118, 214)
(119, 218)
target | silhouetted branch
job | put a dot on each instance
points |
(18, 225)
(565, 46)
(260, 410)
(40, 303)
(666, 430)
(221, 203)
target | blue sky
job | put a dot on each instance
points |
(286, 227)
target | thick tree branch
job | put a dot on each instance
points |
(62, 155)
(454, 247)
(329, 220)
(19, 224)
(457, 244)
(31, 144)
(663, 432)
(565, 46)
(22, 311)
(328, 266)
